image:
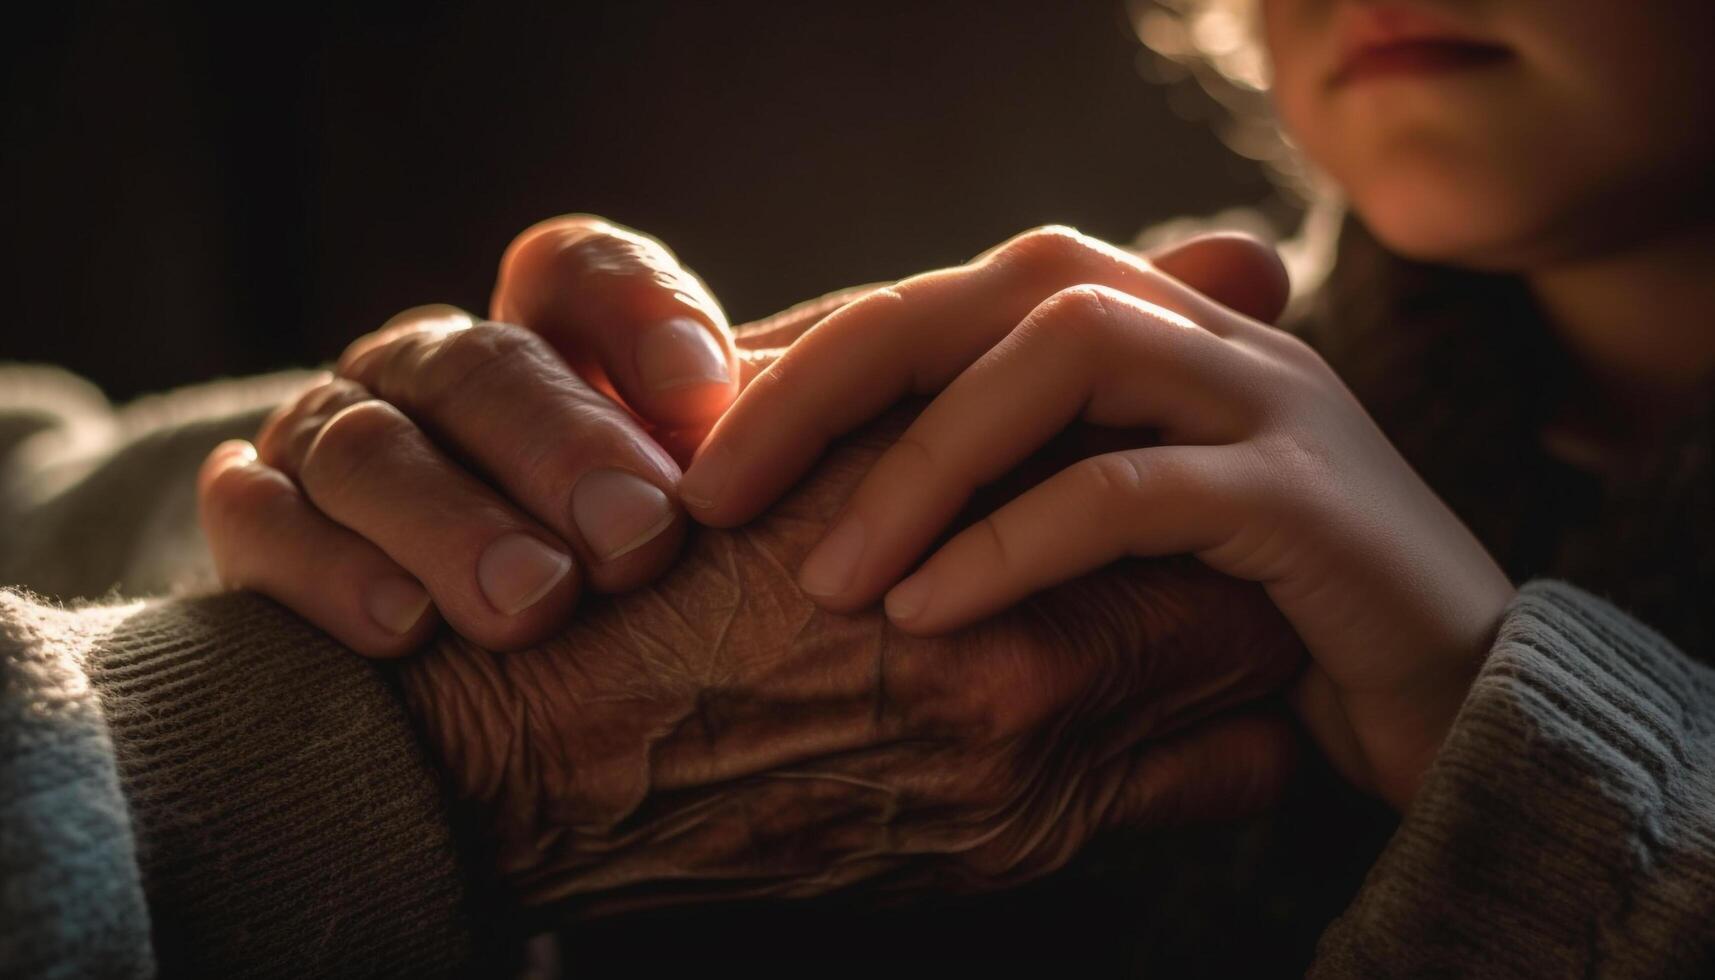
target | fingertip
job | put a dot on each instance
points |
(1234, 268)
(906, 602)
(644, 564)
(232, 452)
(518, 570)
(527, 589)
(684, 371)
(236, 490)
(923, 603)
(703, 488)
(381, 643)
(396, 604)
(265, 537)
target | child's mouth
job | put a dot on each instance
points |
(1425, 56)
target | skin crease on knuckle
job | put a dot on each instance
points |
(718, 724)
(285, 437)
(447, 369)
(348, 443)
(1046, 254)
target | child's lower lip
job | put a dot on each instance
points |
(1425, 57)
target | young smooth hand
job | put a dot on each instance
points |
(1248, 452)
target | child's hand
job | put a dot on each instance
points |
(494, 468)
(1265, 467)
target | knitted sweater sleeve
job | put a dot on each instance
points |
(1567, 828)
(190, 784)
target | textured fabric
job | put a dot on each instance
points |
(1567, 828)
(286, 821)
(202, 784)
(285, 824)
(97, 501)
(71, 903)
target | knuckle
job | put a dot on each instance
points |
(402, 331)
(914, 455)
(1015, 696)
(348, 442)
(1170, 474)
(378, 344)
(288, 436)
(980, 708)
(1051, 251)
(1081, 314)
(592, 432)
(328, 398)
(271, 433)
(1112, 476)
(457, 364)
(286, 433)
(423, 315)
(1292, 349)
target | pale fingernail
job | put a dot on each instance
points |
(679, 352)
(396, 604)
(831, 564)
(619, 512)
(907, 598)
(707, 477)
(517, 570)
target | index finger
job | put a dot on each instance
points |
(625, 315)
(914, 338)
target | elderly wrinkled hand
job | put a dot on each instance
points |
(717, 734)
(485, 472)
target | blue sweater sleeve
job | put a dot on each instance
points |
(72, 902)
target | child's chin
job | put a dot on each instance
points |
(1456, 232)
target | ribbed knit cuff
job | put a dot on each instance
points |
(287, 822)
(1565, 828)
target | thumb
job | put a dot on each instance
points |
(626, 316)
(1231, 268)
(1224, 767)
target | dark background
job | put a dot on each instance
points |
(192, 191)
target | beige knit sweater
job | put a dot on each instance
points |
(202, 784)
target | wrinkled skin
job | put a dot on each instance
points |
(717, 735)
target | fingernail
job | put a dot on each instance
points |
(831, 564)
(907, 598)
(396, 604)
(618, 512)
(517, 570)
(704, 481)
(679, 352)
